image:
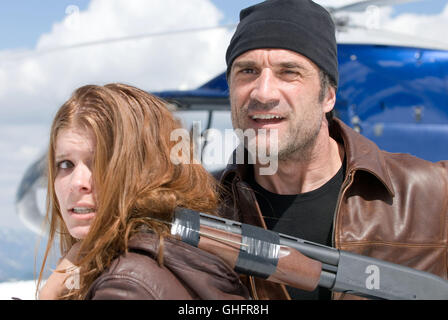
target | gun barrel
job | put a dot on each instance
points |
(370, 277)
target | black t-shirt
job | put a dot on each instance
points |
(307, 216)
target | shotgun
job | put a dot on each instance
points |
(303, 264)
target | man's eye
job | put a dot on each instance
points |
(248, 71)
(64, 164)
(290, 72)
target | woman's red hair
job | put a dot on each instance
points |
(133, 175)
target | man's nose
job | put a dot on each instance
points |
(81, 179)
(265, 90)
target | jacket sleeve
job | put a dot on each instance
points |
(120, 288)
(444, 165)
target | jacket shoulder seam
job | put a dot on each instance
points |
(129, 278)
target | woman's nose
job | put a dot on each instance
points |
(81, 179)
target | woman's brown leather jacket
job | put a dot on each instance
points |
(391, 206)
(187, 273)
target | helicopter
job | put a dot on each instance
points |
(393, 91)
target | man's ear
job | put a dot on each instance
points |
(330, 99)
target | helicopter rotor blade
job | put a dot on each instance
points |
(363, 5)
(399, 37)
(44, 51)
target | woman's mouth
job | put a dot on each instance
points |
(83, 210)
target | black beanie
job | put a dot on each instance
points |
(301, 26)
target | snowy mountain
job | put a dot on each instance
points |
(24, 290)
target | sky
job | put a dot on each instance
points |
(35, 79)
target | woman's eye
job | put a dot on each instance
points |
(65, 164)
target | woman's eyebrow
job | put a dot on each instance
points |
(60, 156)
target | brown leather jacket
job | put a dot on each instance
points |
(187, 273)
(391, 206)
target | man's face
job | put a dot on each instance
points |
(278, 89)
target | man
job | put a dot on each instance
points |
(332, 186)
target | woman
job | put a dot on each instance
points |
(111, 183)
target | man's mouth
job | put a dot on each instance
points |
(266, 118)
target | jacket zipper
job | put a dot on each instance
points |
(251, 278)
(347, 183)
(235, 192)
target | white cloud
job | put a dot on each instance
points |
(335, 3)
(34, 85)
(431, 27)
(37, 84)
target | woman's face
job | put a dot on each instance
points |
(73, 183)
